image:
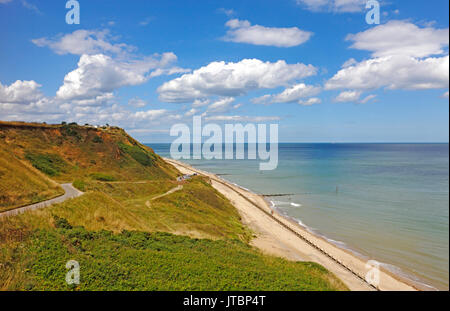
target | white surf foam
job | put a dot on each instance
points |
(282, 203)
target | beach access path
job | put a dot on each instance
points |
(279, 236)
(70, 192)
(177, 188)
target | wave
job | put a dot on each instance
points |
(410, 277)
(280, 203)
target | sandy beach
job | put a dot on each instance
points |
(280, 236)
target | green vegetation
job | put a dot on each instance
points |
(21, 184)
(80, 185)
(85, 150)
(136, 153)
(61, 222)
(129, 206)
(102, 177)
(128, 231)
(97, 140)
(50, 164)
(71, 130)
(119, 242)
(134, 260)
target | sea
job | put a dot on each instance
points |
(385, 202)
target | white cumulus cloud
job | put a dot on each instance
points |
(232, 79)
(393, 72)
(310, 101)
(242, 31)
(401, 38)
(150, 115)
(82, 42)
(20, 92)
(99, 74)
(404, 56)
(137, 102)
(222, 105)
(289, 95)
(348, 96)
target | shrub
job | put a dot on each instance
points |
(61, 222)
(103, 177)
(70, 130)
(137, 153)
(50, 164)
(97, 140)
(80, 185)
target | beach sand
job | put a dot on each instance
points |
(280, 236)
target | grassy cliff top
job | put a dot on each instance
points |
(66, 152)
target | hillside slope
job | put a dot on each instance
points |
(130, 230)
(68, 151)
(21, 184)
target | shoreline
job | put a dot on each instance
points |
(400, 275)
(283, 236)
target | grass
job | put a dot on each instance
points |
(133, 260)
(50, 164)
(199, 208)
(80, 185)
(124, 234)
(71, 152)
(137, 153)
(21, 184)
(120, 245)
(103, 177)
(123, 206)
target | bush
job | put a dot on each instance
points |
(80, 185)
(97, 140)
(136, 153)
(61, 223)
(70, 130)
(50, 164)
(103, 177)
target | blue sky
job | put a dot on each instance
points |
(314, 67)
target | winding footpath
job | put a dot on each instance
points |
(177, 188)
(70, 193)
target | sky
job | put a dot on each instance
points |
(315, 67)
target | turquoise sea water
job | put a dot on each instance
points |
(388, 202)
